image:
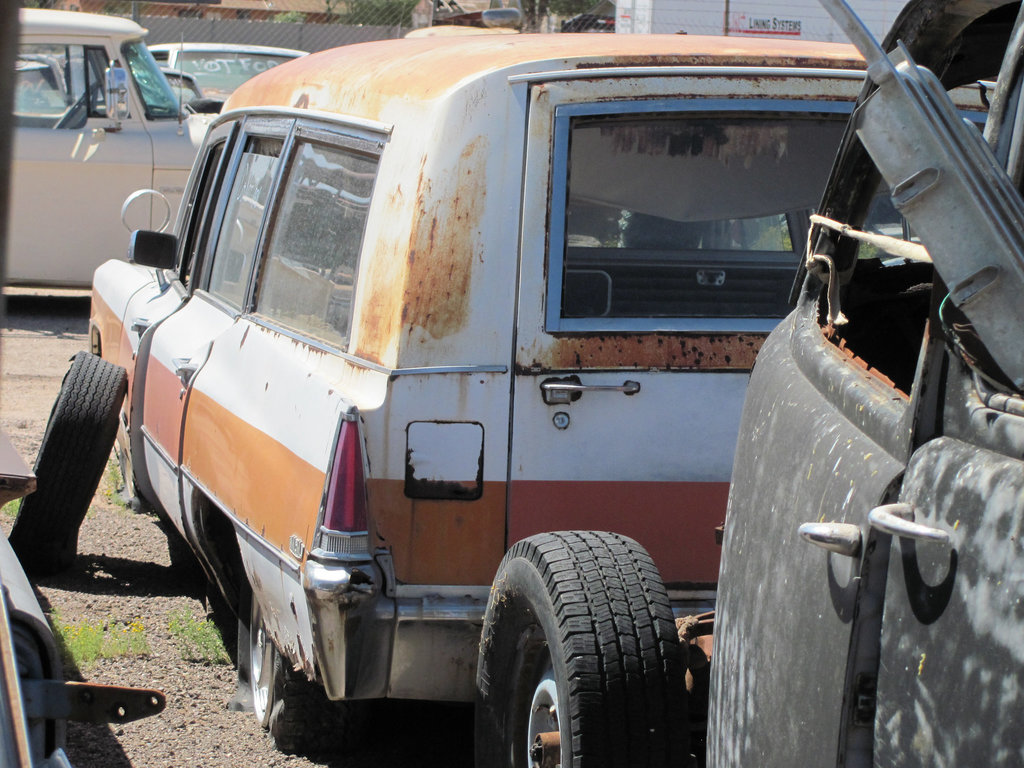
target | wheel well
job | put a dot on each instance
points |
(222, 558)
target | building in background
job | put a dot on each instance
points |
(802, 19)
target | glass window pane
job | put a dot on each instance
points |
(198, 219)
(50, 88)
(96, 74)
(219, 73)
(685, 216)
(157, 96)
(309, 273)
(240, 229)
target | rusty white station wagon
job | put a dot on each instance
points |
(430, 297)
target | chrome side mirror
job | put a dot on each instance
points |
(117, 93)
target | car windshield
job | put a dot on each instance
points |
(219, 73)
(157, 96)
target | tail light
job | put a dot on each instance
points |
(343, 528)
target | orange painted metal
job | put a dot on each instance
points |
(237, 460)
(163, 407)
(439, 542)
(677, 527)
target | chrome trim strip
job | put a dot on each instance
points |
(242, 529)
(450, 369)
(336, 118)
(263, 322)
(160, 450)
(447, 592)
(690, 71)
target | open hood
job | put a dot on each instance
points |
(942, 176)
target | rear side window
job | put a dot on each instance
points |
(309, 269)
(682, 220)
(240, 229)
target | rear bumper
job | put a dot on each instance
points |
(417, 643)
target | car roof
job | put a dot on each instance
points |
(35, 21)
(361, 79)
(228, 48)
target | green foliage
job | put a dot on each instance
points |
(198, 640)
(379, 12)
(12, 508)
(82, 642)
(290, 17)
(569, 7)
(113, 485)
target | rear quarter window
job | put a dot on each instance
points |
(668, 220)
(308, 273)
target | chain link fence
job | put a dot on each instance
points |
(321, 24)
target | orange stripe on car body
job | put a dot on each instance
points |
(674, 521)
(439, 542)
(274, 491)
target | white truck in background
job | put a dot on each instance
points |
(802, 19)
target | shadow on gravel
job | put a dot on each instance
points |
(102, 575)
(54, 316)
(101, 742)
(415, 734)
(96, 745)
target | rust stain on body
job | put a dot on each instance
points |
(701, 352)
(363, 79)
(420, 287)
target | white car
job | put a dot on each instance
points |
(219, 68)
(76, 160)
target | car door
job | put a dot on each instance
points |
(180, 345)
(951, 645)
(950, 663)
(70, 170)
(650, 275)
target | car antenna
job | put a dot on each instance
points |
(181, 85)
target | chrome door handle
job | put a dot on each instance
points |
(898, 520)
(184, 369)
(841, 538)
(561, 392)
(140, 325)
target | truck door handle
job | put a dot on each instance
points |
(557, 392)
(898, 520)
(841, 538)
(140, 325)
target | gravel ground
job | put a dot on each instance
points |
(123, 573)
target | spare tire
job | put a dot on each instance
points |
(70, 463)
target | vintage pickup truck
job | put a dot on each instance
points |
(76, 158)
(426, 298)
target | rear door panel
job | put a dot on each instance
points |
(652, 295)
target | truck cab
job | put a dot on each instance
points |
(80, 151)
